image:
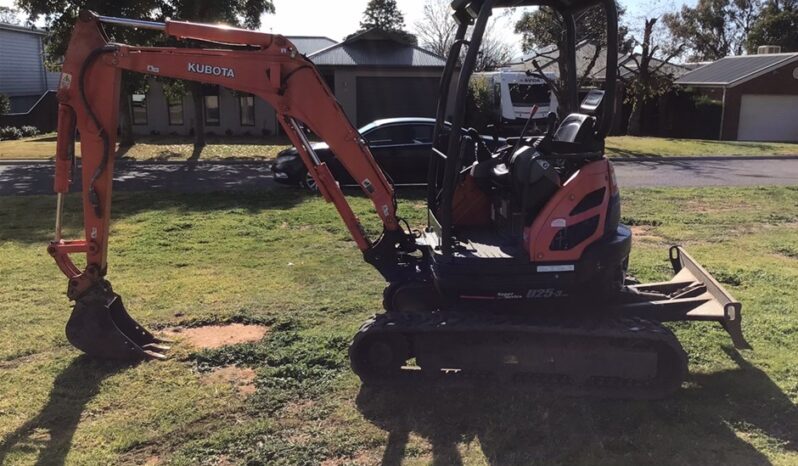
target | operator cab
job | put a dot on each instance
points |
(539, 216)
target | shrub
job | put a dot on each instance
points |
(28, 131)
(5, 104)
(10, 133)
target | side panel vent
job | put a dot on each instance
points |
(571, 236)
(594, 199)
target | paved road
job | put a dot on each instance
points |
(37, 178)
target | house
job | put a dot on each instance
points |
(657, 115)
(758, 94)
(23, 76)
(374, 74)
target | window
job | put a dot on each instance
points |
(175, 111)
(246, 107)
(529, 94)
(422, 133)
(211, 100)
(138, 108)
(390, 135)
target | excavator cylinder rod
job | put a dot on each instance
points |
(133, 23)
(100, 326)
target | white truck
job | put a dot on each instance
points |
(514, 93)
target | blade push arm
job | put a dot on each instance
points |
(269, 67)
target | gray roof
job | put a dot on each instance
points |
(731, 71)
(585, 52)
(23, 29)
(309, 44)
(376, 48)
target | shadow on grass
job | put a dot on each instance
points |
(49, 434)
(515, 427)
(31, 219)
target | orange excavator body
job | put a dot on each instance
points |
(520, 272)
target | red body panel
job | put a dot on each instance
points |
(538, 236)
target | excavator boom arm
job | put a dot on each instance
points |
(265, 65)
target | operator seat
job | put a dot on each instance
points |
(579, 127)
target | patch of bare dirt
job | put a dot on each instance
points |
(643, 232)
(216, 336)
(362, 458)
(243, 379)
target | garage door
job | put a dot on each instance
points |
(388, 97)
(768, 118)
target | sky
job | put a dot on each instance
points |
(338, 18)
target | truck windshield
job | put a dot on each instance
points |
(529, 94)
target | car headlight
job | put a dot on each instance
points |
(281, 175)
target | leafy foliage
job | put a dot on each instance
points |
(10, 133)
(382, 14)
(28, 131)
(776, 25)
(544, 34)
(650, 78)
(5, 104)
(386, 16)
(9, 16)
(714, 29)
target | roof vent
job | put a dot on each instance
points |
(764, 49)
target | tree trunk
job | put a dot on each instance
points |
(199, 116)
(635, 126)
(125, 121)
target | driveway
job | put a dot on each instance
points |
(29, 179)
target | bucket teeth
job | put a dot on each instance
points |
(100, 326)
(156, 347)
(155, 355)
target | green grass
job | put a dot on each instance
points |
(631, 146)
(160, 148)
(283, 259)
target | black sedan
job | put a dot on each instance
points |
(401, 146)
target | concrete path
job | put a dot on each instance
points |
(26, 179)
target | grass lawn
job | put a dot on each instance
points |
(158, 148)
(631, 146)
(251, 148)
(283, 258)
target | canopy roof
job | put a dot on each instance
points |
(557, 4)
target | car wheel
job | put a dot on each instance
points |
(309, 183)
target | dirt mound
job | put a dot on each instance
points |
(216, 336)
(243, 379)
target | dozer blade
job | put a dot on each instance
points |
(692, 294)
(101, 327)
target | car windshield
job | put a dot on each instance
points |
(529, 94)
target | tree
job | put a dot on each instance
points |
(714, 29)
(386, 16)
(544, 35)
(382, 14)
(9, 16)
(649, 77)
(436, 30)
(776, 25)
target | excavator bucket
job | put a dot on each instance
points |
(101, 327)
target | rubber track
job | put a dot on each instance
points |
(633, 332)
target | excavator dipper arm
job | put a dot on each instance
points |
(265, 65)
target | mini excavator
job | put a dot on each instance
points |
(519, 275)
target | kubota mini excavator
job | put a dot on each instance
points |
(520, 273)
